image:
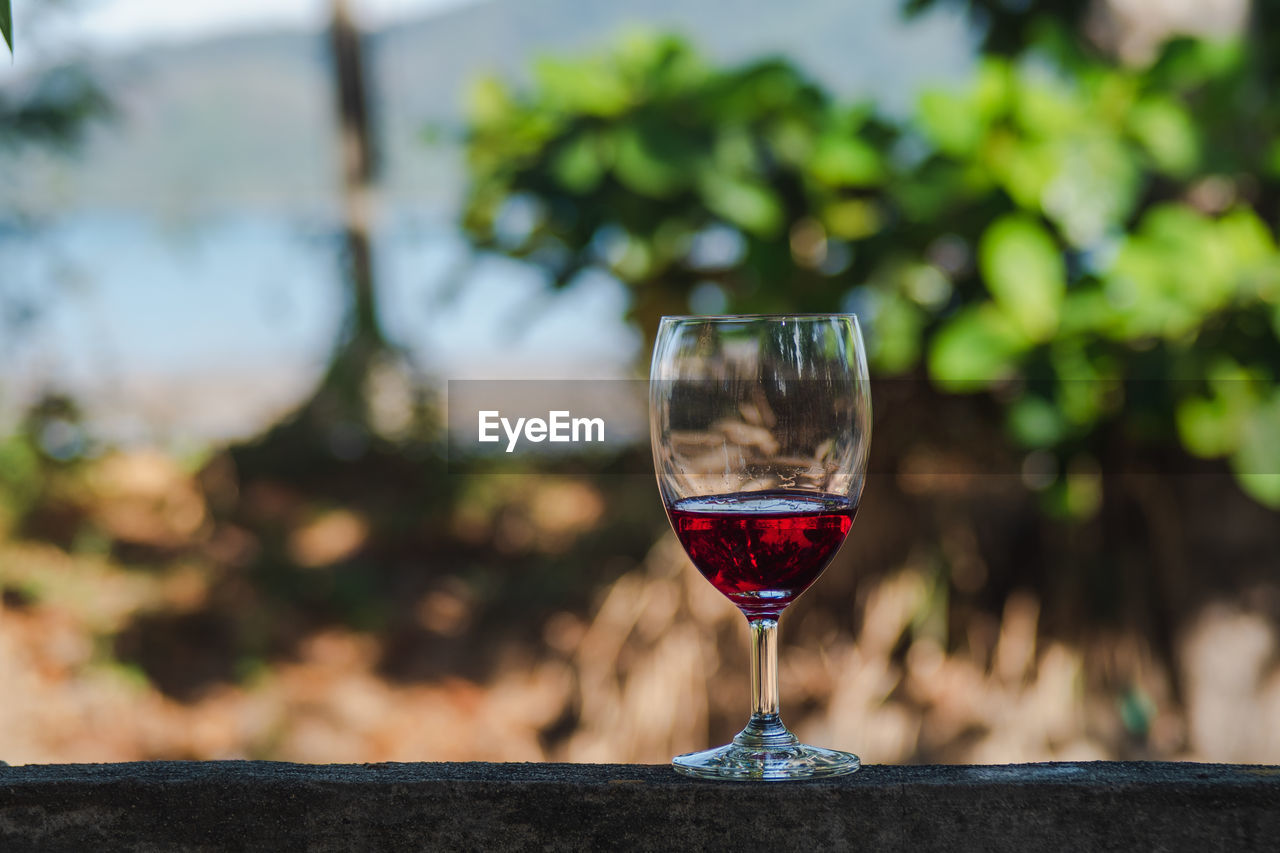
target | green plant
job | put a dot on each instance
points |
(1088, 241)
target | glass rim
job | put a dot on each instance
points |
(731, 318)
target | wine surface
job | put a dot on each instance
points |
(762, 549)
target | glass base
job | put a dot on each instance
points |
(766, 750)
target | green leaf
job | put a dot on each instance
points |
(6, 23)
(1087, 387)
(1264, 488)
(577, 167)
(1257, 460)
(1207, 427)
(951, 123)
(1092, 187)
(1247, 238)
(1024, 272)
(992, 93)
(1178, 268)
(1272, 159)
(1136, 711)
(979, 346)
(590, 86)
(846, 161)
(1024, 169)
(1045, 107)
(1167, 132)
(791, 138)
(1084, 493)
(487, 101)
(1085, 311)
(735, 151)
(1036, 422)
(896, 342)
(852, 219)
(652, 162)
(957, 121)
(750, 205)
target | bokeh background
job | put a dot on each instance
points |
(243, 246)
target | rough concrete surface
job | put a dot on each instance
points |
(257, 805)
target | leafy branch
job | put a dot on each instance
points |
(1073, 237)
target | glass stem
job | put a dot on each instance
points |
(765, 726)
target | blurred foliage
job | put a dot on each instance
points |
(6, 23)
(1092, 244)
(41, 459)
(1010, 26)
(54, 108)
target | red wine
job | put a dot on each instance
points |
(762, 549)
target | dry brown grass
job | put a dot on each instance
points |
(655, 667)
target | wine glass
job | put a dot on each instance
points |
(760, 427)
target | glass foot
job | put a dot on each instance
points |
(773, 754)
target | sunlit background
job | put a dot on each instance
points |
(244, 245)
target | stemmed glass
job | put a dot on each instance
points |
(760, 427)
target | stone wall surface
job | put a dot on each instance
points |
(250, 805)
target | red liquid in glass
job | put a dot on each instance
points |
(762, 549)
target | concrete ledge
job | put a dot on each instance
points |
(251, 805)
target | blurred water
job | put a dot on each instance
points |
(210, 329)
(183, 278)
